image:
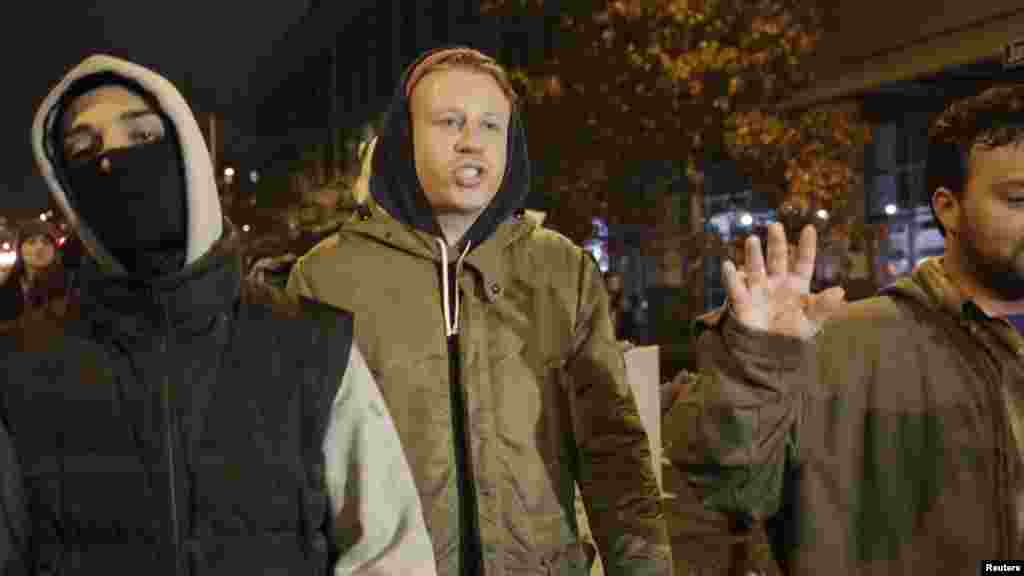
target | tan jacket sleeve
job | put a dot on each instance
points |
(732, 431)
(371, 488)
(369, 482)
(615, 472)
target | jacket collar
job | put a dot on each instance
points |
(188, 300)
(930, 285)
(486, 259)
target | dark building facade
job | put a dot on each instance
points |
(901, 62)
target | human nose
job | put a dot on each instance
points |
(113, 138)
(469, 139)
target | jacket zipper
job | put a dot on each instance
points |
(470, 558)
(470, 537)
(169, 420)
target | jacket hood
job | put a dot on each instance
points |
(204, 220)
(395, 186)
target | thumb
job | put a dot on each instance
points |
(820, 307)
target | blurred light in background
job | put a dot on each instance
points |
(597, 245)
(600, 253)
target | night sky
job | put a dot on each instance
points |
(223, 55)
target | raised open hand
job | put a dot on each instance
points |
(776, 299)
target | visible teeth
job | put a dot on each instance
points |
(469, 172)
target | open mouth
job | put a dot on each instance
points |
(469, 174)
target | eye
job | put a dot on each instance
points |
(449, 122)
(491, 125)
(79, 148)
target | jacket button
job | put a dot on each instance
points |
(495, 289)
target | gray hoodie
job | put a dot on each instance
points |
(367, 475)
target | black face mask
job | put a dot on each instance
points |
(137, 209)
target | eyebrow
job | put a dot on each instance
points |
(129, 115)
(1010, 181)
(497, 115)
(1008, 186)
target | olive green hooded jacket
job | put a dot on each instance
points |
(890, 444)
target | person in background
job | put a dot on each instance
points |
(616, 302)
(36, 283)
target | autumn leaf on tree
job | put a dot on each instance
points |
(693, 81)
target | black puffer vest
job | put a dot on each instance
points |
(177, 427)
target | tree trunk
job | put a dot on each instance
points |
(696, 199)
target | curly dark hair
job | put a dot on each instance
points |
(991, 118)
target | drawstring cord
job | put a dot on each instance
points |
(451, 321)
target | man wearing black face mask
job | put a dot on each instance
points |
(179, 421)
(132, 190)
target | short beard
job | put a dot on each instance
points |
(997, 275)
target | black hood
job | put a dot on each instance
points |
(396, 187)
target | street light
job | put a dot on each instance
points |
(229, 171)
(246, 228)
(254, 176)
(42, 217)
(891, 209)
(823, 214)
(746, 219)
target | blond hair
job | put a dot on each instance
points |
(465, 59)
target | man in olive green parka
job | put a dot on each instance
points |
(491, 340)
